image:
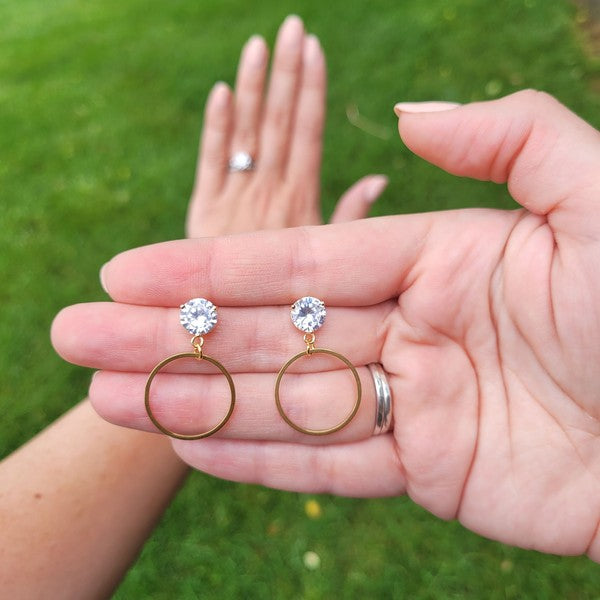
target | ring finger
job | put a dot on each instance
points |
(190, 404)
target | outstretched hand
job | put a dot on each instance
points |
(486, 321)
(282, 130)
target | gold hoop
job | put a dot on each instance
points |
(197, 356)
(312, 352)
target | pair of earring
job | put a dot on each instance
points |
(199, 316)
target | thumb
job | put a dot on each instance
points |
(357, 199)
(548, 156)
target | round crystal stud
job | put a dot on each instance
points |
(308, 314)
(198, 316)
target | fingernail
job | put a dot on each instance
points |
(219, 95)
(102, 277)
(291, 31)
(255, 51)
(312, 49)
(423, 107)
(375, 187)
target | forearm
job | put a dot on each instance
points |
(77, 503)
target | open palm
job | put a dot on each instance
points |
(487, 323)
(278, 120)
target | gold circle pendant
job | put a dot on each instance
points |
(197, 356)
(330, 429)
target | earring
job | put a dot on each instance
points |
(198, 316)
(308, 315)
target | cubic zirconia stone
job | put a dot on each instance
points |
(308, 314)
(198, 316)
(240, 161)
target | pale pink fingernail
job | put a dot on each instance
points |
(312, 49)
(219, 95)
(103, 277)
(255, 51)
(375, 187)
(423, 107)
(291, 31)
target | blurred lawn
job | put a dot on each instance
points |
(100, 108)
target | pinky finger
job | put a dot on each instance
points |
(214, 143)
(369, 468)
(357, 200)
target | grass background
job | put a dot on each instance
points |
(100, 109)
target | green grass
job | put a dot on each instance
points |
(100, 108)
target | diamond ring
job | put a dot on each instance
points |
(241, 161)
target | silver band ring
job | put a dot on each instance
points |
(240, 162)
(383, 395)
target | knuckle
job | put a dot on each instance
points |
(533, 97)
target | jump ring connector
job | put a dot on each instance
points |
(197, 342)
(309, 340)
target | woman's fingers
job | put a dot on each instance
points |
(281, 96)
(364, 469)
(214, 146)
(190, 404)
(350, 264)
(249, 89)
(304, 162)
(122, 337)
(358, 199)
(548, 156)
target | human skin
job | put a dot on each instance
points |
(487, 323)
(78, 501)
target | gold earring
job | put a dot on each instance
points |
(308, 315)
(198, 316)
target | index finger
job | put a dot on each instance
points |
(350, 264)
